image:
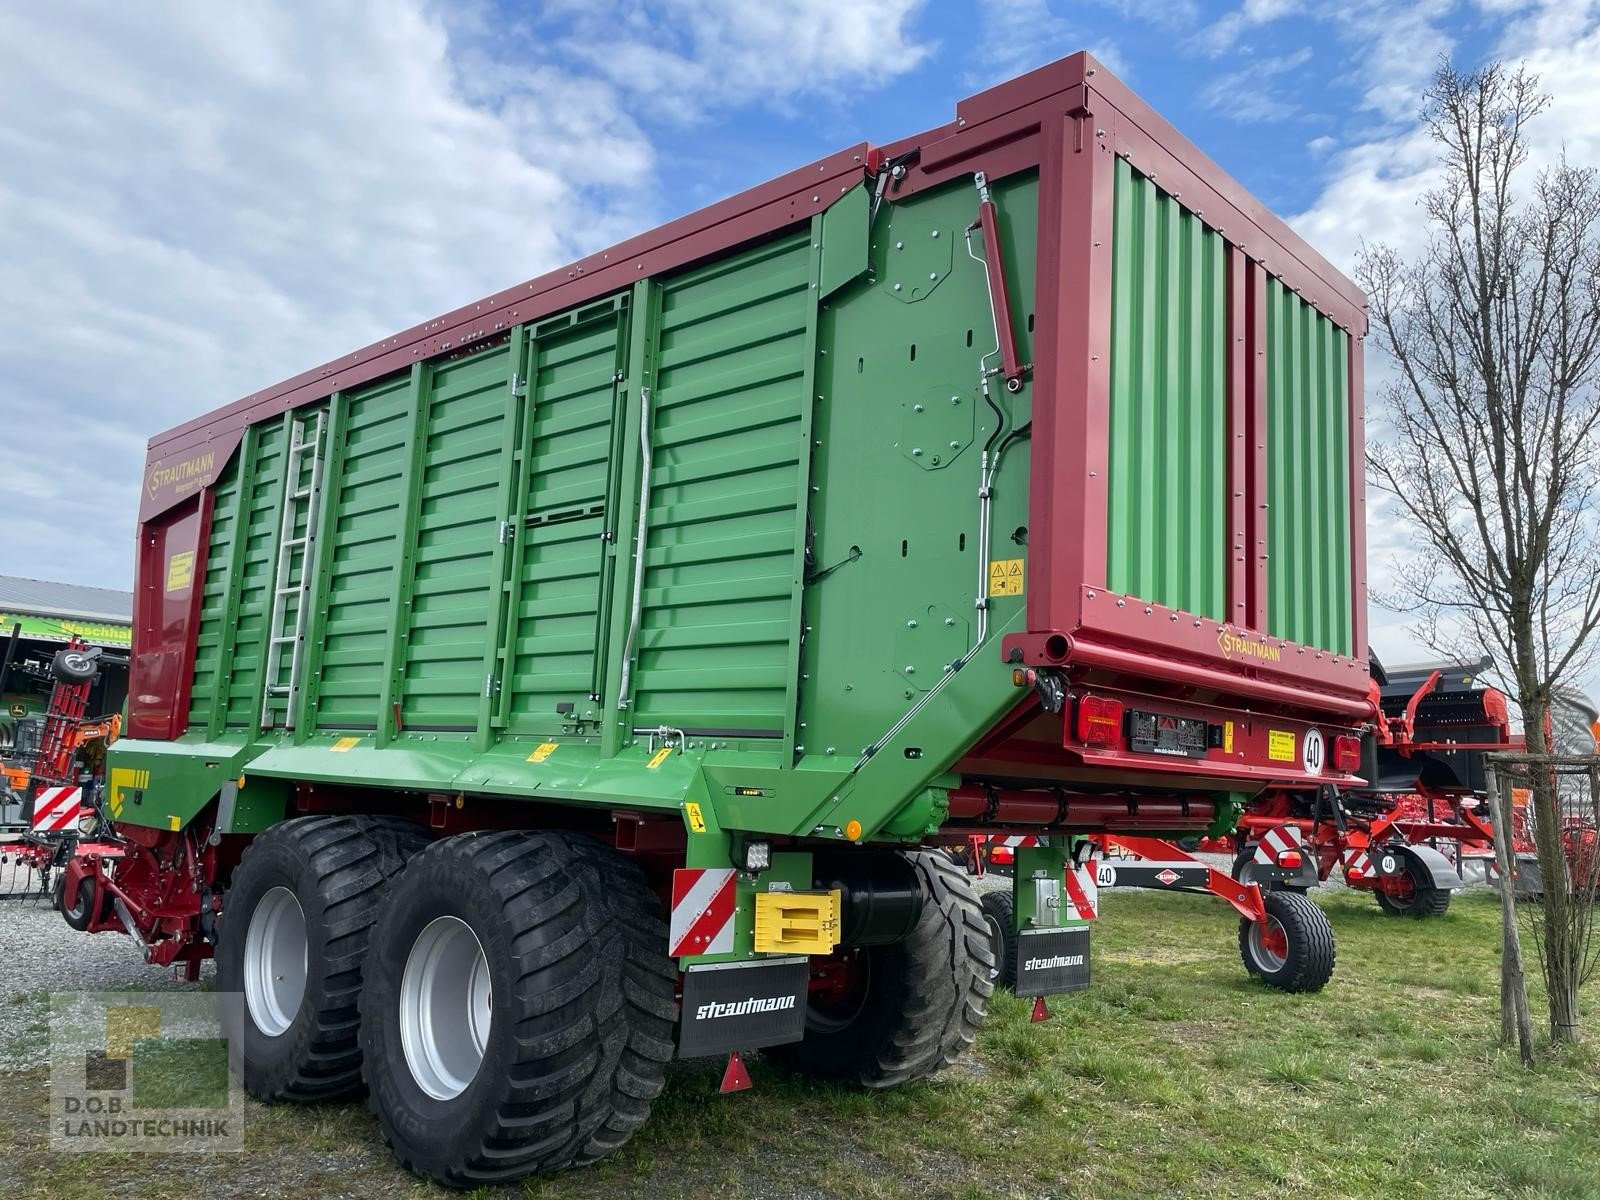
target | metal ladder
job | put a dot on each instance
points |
(297, 501)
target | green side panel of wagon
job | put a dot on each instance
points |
(814, 422)
(1308, 474)
(727, 493)
(1167, 485)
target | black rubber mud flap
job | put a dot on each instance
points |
(1051, 962)
(743, 1006)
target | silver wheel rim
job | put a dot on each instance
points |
(1267, 959)
(446, 1007)
(275, 961)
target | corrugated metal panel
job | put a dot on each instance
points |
(214, 593)
(1167, 486)
(720, 567)
(556, 622)
(368, 497)
(458, 522)
(1308, 474)
(260, 549)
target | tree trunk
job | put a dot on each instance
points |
(1516, 1021)
(1560, 950)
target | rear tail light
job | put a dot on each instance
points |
(1099, 721)
(1290, 859)
(1002, 856)
(1346, 754)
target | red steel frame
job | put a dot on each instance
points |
(1070, 120)
(1330, 845)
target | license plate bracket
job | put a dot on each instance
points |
(1163, 733)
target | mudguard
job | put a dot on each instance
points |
(1438, 867)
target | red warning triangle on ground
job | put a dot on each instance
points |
(735, 1078)
(1040, 1012)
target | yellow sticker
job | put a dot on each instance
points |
(180, 570)
(1280, 745)
(543, 751)
(697, 820)
(1227, 737)
(1005, 577)
(659, 757)
(344, 744)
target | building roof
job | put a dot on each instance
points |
(65, 601)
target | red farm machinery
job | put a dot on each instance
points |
(50, 801)
(670, 615)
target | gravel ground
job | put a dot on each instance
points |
(40, 954)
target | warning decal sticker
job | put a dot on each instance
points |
(1005, 577)
(1280, 745)
(180, 571)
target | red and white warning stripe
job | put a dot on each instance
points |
(57, 808)
(702, 910)
(1275, 841)
(1356, 864)
(1026, 839)
(1083, 889)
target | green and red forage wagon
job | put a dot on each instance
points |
(593, 674)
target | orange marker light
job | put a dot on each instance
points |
(852, 830)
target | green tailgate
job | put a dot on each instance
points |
(1166, 535)
(1308, 474)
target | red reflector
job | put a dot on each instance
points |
(1290, 859)
(1346, 754)
(1099, 721)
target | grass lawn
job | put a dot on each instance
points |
(1175, 1075)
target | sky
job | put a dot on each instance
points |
(197, 201)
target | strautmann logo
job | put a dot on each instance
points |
(1234, 644)
(742, 1008)
(1058, 960)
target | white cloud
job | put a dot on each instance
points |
(1223, 34)
(689, 57)
(195, 206)
(1017, 36)
(1251, 94)
(1372, 189)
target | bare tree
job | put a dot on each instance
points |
(1487, 438)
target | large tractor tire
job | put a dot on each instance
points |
(293, 938)
(912, 1007)
(519, 1008)
(1292, 950)
(1418, 897)
(999, 911)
